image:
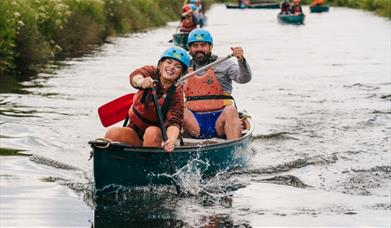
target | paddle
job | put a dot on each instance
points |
(164, 134)
(191, 74)
(117, 110)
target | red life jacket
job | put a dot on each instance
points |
(142, 113)
(296, 9)
(204, 93)
(285, 7)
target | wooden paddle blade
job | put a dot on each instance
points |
(116, 110)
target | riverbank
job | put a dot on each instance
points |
(34, 33)
(379, 7)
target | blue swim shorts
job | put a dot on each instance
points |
(207, 123)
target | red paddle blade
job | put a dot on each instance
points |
(116, 110)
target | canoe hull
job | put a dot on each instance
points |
(291, 19)
(180, 39)
(254, 6)
(117, 164)
(320, 8)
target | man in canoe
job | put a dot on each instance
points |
(285, 7)
(143, 128)
(209, 107)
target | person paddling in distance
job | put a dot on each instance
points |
(143, 128)
(296, 8)
(285, 7)
(188, 20)
(317, 3)
(209, 107)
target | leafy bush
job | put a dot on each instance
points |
(84, 28)
(33, 32)
(8, 30)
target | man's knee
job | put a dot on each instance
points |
(190, 124)
(231, 112)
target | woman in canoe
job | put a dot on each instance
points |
(143, 128)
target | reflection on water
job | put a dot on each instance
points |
(132, 209)
(155, 207)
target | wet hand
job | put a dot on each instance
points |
(238, 53)
(169, 145)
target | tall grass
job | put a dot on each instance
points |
(33, 32)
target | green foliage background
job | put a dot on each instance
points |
(33, 32)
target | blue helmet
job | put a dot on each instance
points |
(177, 53)
(199, 35)
(193, 7)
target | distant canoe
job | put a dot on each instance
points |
(180, 39)
(254, 6)
(291, 18)
(320, 8)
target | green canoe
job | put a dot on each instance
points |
(180, 39)
(116, 164)
(320, 8)
(291, 18)
(254, 6)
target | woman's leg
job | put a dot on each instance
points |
(124, 135)
(153, 137)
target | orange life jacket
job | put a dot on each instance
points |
(204, 93)
(318, 2)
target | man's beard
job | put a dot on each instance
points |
(200, 58)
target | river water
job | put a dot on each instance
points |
(319, 98)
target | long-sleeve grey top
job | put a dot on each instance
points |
(229, 71)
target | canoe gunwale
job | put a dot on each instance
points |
(291, 19)
(97, 144)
